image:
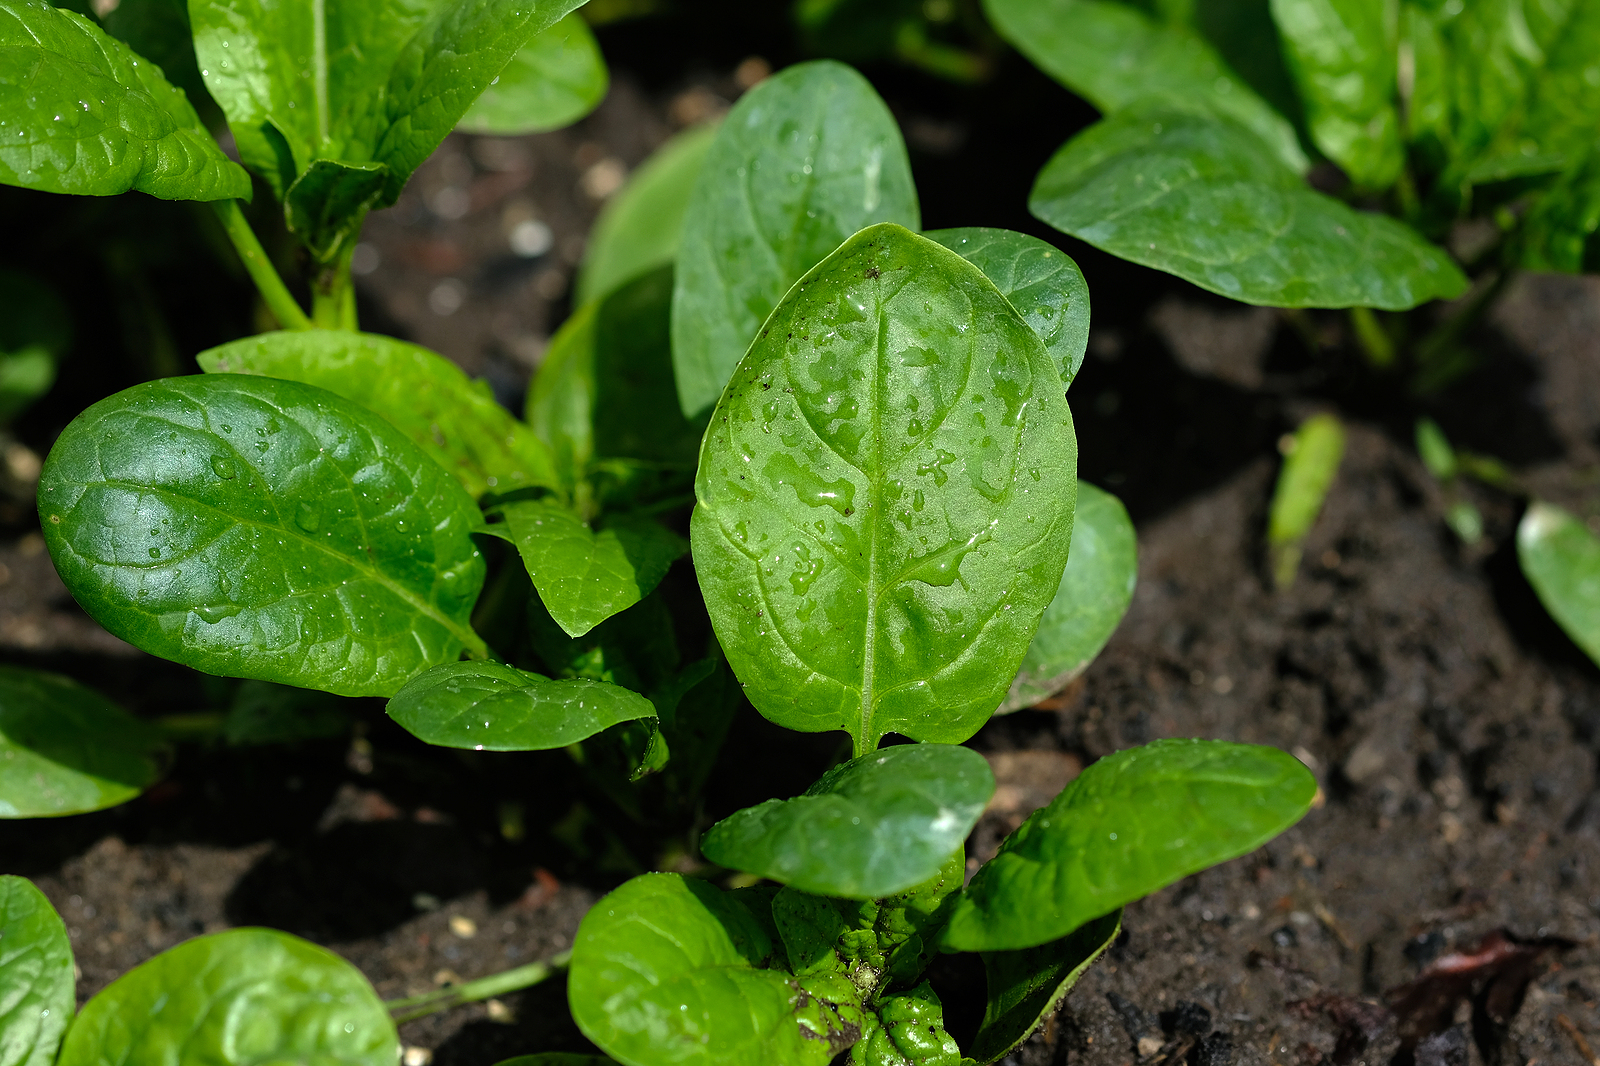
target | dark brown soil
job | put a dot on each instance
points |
(1448, 881)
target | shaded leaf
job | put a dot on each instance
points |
(1560, 557)
(264, 713)
(35, 330)
(885, 496)
(869, 828)
(36, 999)
(805, 159)
(555, 79)
(1131, 823)
(253, 527)
(325, 205)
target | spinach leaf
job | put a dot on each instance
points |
(1561, 560)
(1095, 591)
(585, 576)
(81, 113)
(668, 969)
(1131, 823)
(558, 1058)
(558, 77)
(1558, 232)
(451, 417)
(492, 707)
(264, 713)
(158, 30)
(885, 496)
(1026, 987)
(253, 527)
(907, 1029)
(35, 331)
(1342, 55)
(36, 1000)
(324, 206)
(1309, 467)
(66, 749)
(1115, 55)
(236, 998)
(1041, 281)
(869, 828)
(1201, 197)
(641, 226)
(805, 159)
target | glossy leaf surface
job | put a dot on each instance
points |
(452, 417)
(493, 707)
(885, 496)
(641, 227)
(805, 159)
(1131, 823)
(1561, 560)
(558, 77)
(1041, 281)
(239, 998)
(1095, 591)
(66, 749)
(1202, 198)
(1026, 987)
(907, 1029)
(583, 575)
(253, 527)
(36, 975)
(672, 970)
(1115, 55)
(870, 828)
(81, 113)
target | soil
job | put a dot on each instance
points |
(1441, 904)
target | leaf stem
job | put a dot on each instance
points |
(276, 294)
(409, 1010)
(333, 295)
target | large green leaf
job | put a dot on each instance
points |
(558, 77)
(1560, 557)
(885, 496)
(36, 979)
(1203, 198)
(253, 527)
(246, 997)
(671, 970)
(1041, 281)
(66, 749)
(1342, 54)
(158, 30)
(1026, 987)
(642, 225)
(492, 707)
(585, 575)
(803, 160)
(81, 113)
(869, 828)
(1095, 590)
(1130, 824)
(450, 416)
(1115, 55)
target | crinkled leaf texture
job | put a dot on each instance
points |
(869, 828)
(81, 113)
(66, 749)
(1561, 560)
(805, 159)
(36, 999)
(1095, 591)
(452, 417)
(253, 527)
(1131, 823)
(670, 970)
(1201, 197)
(885, 496)
(558, 77)
(907, 1029)
(239, 998)
(493, 707)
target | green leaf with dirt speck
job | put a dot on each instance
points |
(493, 707)
(557, 78)
(907, 1029)
(885, 496)
(805, 159)
(66, 749)
(253, 527)
(1560, 557)
(36, 975)
(449, 415)
(672, 971)
(1131, 823)
(1095, 591)
(238, 998)
(869, 828)
(81, 113)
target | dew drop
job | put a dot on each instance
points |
(155, 553)
(224, 467)
(308, 517)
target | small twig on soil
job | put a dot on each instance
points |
(409, 1010)
(1577, 1038)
